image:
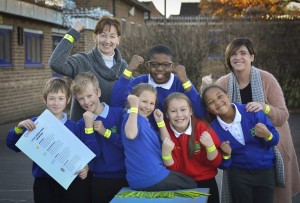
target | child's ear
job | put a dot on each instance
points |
(69, 100)
(99, 92)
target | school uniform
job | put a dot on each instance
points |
(45, 188)
(251, 165)
(124, 86)
(145, 169)
(199, 167)
(108, 167)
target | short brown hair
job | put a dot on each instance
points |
(82, 80)
(235, 45)
(53, 85)
(110, 21)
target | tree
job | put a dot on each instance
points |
(241, 8)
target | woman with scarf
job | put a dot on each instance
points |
(260, 90)
(104, 60)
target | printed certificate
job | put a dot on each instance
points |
(55, 149)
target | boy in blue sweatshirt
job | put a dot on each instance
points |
(103, 121)
(160, 68)
(247, 141)
(56, 95)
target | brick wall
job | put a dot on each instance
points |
(20, 87)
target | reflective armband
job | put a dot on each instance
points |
(167, 157)
(88, 130)
(18, 130)
(70, 38)
(107, 133)
(269, 138)
(134, 110)
(267, 110)
(187, 85)
(127, 73)
(160, 124)
(211, 149)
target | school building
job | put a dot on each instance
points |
(29, 32)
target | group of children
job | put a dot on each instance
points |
(153, 137)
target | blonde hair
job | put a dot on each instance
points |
(53, 85)
(82, 80)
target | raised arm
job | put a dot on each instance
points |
(131, 126)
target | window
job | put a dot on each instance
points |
(55, 41)
(5, 46)
(33, 48)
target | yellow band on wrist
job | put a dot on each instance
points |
(267, 110)
(226, 157)
(167, 157)
(127, 73)
(134, 110)
(160, 124)
(88, 130)
(107, 133)
(187, 85)
(211, 149)
(69, 37)
(18, 130)
(269, 138)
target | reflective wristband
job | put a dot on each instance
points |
(267, 110)
(269, 138)
(88, 130)
(211, 149)
(226, 157)
(107, 133)
(18, 130)
(167, 157)
(69, 37)
(187, 85)
(160, 124)
(127, 73)
(134, 110)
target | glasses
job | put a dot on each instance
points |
(153, 64)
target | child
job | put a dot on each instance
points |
(145, 170)
(56, 95)
(247, 141)
(196, 152)
(108, 166)
(160, 68)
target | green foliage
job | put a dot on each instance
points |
(200, 47)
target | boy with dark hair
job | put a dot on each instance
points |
(161, 68)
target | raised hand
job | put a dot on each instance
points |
(225, 148)
(180, 71)
(99, 127)
(27, 124)
(133, 100)
(78, 26)
(206, 81)
(158, 115)
(206, 139)
(167, 146)
(88, 119)
(261, 130)
(135, 62)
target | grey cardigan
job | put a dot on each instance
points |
(64, 64)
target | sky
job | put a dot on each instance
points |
(173, 6)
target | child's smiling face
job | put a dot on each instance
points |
(147, 101)
(217, 101)
(160, 74)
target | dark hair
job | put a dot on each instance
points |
(203, 95)
(110, 21)
(53, 85)
(178, 95)
(160, 49)
(236, 44)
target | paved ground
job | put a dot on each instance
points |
(15, 172)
